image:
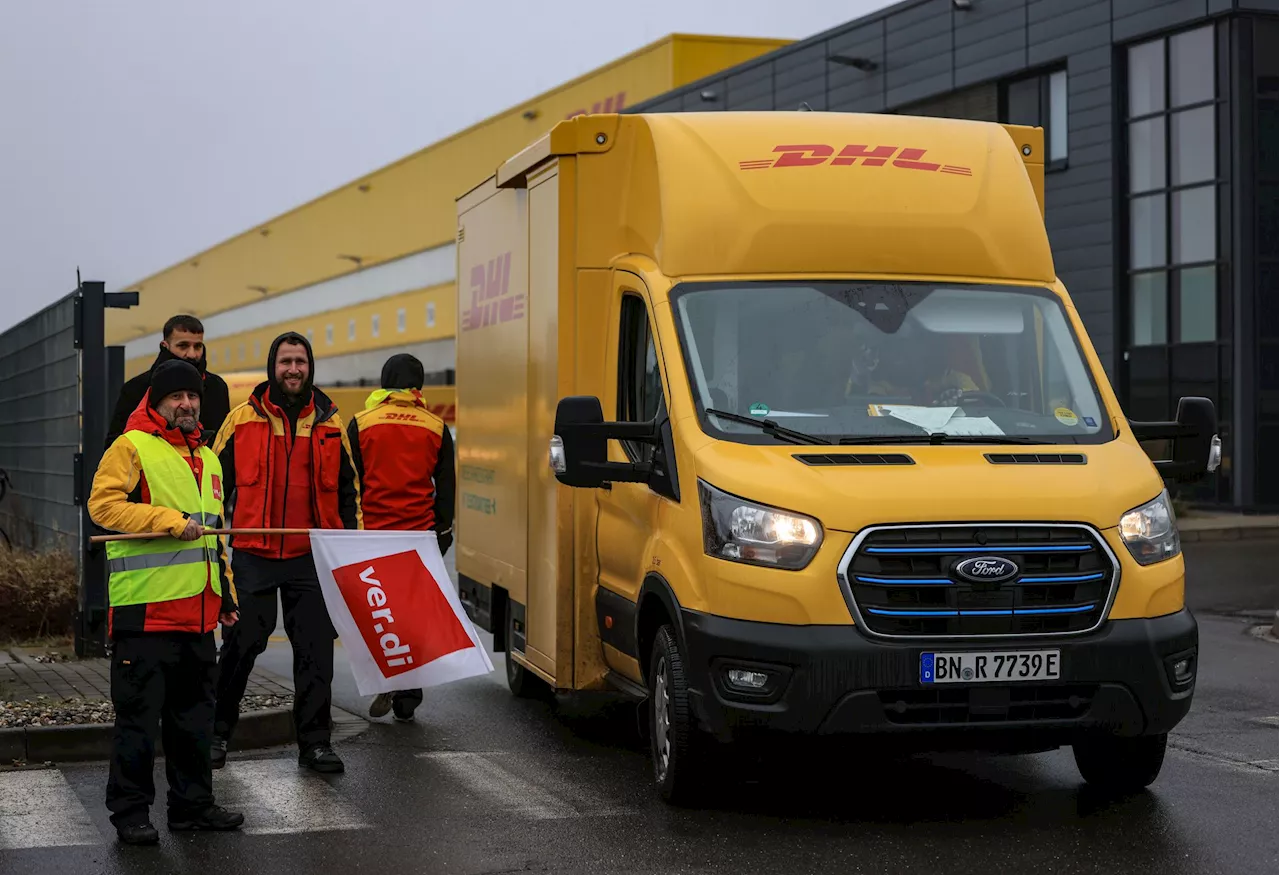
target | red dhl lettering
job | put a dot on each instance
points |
(817, 154)
(491, 300)
(610, 104)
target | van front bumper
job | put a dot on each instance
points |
(833, 680)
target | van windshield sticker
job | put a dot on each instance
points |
(1066, 416)
(759, 409)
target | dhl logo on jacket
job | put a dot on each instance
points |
(287, 477)
(403, 455)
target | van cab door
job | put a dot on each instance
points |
(628, 512)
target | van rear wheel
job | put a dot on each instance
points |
(522, 682)
(1121, 765)
(677, 746)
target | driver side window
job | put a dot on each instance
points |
(639, 380)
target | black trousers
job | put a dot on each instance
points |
(311, 633)
(162, 683)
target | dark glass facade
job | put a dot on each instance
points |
(1160, 127)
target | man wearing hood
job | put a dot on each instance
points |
(287, 465)
(183, 340)
(403, 455)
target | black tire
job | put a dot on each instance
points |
(677, 748)
(523, 683)
(1121, 765)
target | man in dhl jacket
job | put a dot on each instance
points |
(166, 597)
(403, 455)
(287, 465)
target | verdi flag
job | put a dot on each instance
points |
(391, 600)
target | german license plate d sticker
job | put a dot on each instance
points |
(990, 666)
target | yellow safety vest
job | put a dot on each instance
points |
(167, 569)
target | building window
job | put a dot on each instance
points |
(257, 349)
(242, 352)
(1040, 101)
(1172, 192)
(373, 325)
(311, 336)
(351, 330)
(213, 357)
(431, 314)
(401, 321)
(328, 335)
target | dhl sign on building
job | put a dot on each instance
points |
(369, 269)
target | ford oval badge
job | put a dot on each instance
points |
(987, 569)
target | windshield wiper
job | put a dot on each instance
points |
(769, 427)
(937, 438)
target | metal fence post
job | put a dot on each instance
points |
(91, 619)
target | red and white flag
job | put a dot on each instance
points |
(395, 609)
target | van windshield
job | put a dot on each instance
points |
(847, 360)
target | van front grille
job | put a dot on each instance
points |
(909, 581)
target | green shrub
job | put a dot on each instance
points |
(38, 593)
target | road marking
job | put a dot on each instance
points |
(38, 809)
(278, 797)
(1268, 721)
(481, 775)
(1256, 767)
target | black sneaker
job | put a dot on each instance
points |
(402, 715)
(218, 752)
(321, 758)
(215, 818)
(138, 834)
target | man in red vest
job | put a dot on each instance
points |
(403, 455)
(287, 464)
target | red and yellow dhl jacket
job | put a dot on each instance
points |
(403, 455)
(282, 475)
(120, 501)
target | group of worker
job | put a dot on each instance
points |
(179, 463)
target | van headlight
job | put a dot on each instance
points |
(743, 531)
(1151, 531)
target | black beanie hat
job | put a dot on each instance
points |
(402, 371)
(172, 376)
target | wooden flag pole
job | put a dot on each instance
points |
(147, 536)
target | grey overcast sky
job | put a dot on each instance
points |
(134, 133)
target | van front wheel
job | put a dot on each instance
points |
(1121, 765)
(675, 742)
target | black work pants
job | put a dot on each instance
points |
(311, 634)
(162, 683)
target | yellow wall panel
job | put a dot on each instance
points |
(428, 314)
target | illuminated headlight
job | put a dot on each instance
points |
(1151, 531)
(743, 531)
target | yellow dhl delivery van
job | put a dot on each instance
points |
(862, 470)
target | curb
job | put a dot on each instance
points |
(1230, 533)
(92, 741)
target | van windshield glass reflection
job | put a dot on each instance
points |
(847, 360)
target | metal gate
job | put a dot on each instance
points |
(57, 382)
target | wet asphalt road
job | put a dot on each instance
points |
(485, 783)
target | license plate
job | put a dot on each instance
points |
(990, 666)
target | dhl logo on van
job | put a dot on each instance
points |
(868, 156)
(491, 300)
(610, 104)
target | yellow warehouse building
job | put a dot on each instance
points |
(368, 269)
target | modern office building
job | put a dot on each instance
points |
(1160, 123)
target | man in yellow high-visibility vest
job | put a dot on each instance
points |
(167, 596)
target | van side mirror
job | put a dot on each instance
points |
(1196, 449)
(579, 453)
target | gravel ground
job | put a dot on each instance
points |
(48, 712)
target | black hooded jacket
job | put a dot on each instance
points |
(214, 406)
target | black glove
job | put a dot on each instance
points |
(446, 541)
